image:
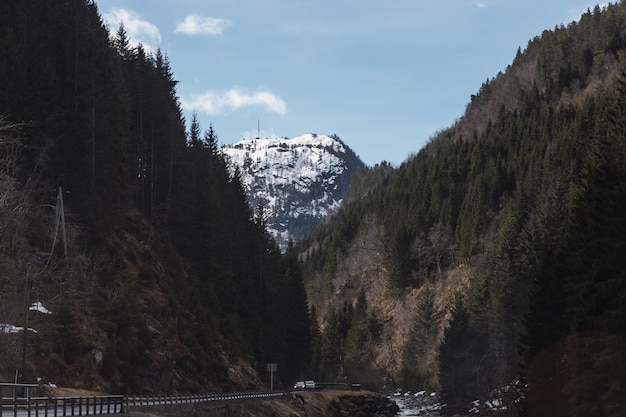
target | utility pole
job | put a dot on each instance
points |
(25, 331)
(62, 216)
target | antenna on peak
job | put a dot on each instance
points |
(258, 129)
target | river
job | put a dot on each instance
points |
(422, 403)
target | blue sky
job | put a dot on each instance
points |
(384, 76)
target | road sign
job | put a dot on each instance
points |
(271, 368)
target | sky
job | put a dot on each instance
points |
(385, 76)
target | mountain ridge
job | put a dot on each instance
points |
(296, 182)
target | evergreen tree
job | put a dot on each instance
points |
(295, 315)
(357, 337)
(68, 342)
(457, 361)
(332, 344)
(316, 341)
(419, 356)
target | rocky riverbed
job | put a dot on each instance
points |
(421, 403)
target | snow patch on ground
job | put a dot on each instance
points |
(40, 308)
(10, 328)
(420, 403)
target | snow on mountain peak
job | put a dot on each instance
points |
(297, 181)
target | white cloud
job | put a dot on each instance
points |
(217, 103)
(198, 25)
(480, 4)
(139, 31)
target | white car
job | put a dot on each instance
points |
(309, 384)
(299, 385)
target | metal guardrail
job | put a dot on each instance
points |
(16, 400)
(143, 400)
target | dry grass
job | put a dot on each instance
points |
(70, 392)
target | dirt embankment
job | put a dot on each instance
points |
(309, 404)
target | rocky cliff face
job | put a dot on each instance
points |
(296, 182)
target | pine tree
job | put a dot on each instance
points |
(332, 344)
(68, 342)
(296, 315)
(357, 337)
(316, 341)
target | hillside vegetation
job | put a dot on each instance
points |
(493, 258)
(124, 226)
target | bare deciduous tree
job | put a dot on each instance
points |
(12, 209)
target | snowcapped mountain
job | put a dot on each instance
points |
(296, 181)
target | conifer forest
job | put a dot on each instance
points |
(491, 261)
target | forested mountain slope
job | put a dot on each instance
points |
(494, 257)
(127, 228)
